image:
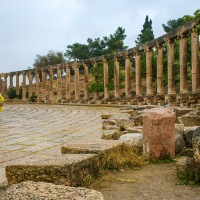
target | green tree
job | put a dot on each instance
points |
(77, 51)
(52, 58)
(195, 17)
(145, 36)
(97, 72)
(97, 47)
(115, 42)
(12, 93)
(146, 33)
(173, 24)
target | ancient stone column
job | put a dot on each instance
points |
(116, 78)
(37, 84)
(128, 77)
(17, 84)
(138, 74)
(159, 133)
(51, 77)
(67, 82)
(30, 90)
(183, 64)
(59, 85)
(24, 86)
(5, 85)
(160, 86)
(0, 85)
(86, 80)
(43, 85)
(11, 80)
(106, 79)
(195, 62)
(171, 67)
(149, 83)
(77, 89)
(2, 91)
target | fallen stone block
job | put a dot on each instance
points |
(159, 133)
(108, 123)
(91, 147)
(67, 169)
(179, 129)
(190, 119)
(179, 143)
(135, 129)
(106, 116)
(181, 111)
(111, 134)
(138, 121)
(134, 140)
(188, 135)
(40, 190)
(196, 139)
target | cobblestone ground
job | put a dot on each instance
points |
(26, 130)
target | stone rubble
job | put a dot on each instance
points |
(39, 190)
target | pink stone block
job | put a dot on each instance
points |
(159, 133)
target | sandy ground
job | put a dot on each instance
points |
(152, 182)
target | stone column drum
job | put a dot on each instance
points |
(159, 133)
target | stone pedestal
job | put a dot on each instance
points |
(159, 133)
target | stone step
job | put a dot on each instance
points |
(66, 169)
(79, 166)
(91, 147)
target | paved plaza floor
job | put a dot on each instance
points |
(27, 130)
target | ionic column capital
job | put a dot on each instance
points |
(183, 35)
(138, 53)
(116, 59)
(76, 65)
(169, 40)
(23, 73)
(159, 45)
(58, 66)
(148, 48)
(104, 60)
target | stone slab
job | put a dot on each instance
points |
(68, 169)
(88, 147)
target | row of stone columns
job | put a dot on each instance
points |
(138, 89)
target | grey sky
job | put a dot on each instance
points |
(31, 27)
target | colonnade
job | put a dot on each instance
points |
(51, 74)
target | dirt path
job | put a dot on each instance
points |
(152, 182)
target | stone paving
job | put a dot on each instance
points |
(32, 130)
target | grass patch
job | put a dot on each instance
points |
(124, 157)
(3, 187)
(168, 159)
(189, 174)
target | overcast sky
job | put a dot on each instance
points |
(31, 27)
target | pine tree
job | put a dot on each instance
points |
(173, 24)
(146, 33)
